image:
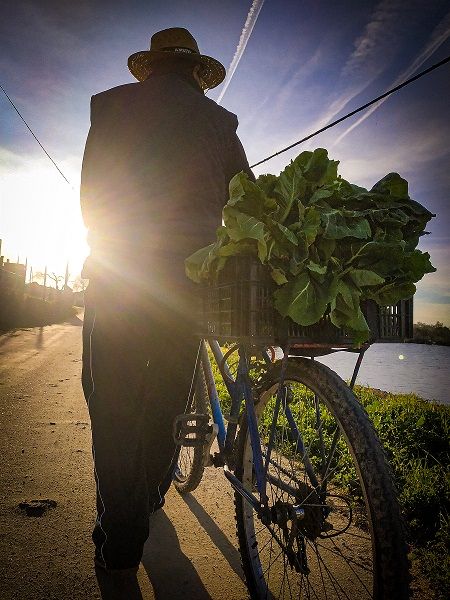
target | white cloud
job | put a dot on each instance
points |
(367, 167)
(440, 34)
(373, 52)
(379, 40)
(10, 161)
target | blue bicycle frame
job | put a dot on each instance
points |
(240, 389)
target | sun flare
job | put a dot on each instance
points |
(41, 221)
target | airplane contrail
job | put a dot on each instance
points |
(252, 16)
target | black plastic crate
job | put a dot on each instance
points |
(239, 307)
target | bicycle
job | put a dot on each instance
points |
(316, 509)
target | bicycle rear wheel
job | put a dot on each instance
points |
(339, 537)
(190, 468)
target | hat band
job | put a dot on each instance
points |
(179, 49)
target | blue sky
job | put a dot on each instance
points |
(305, 63)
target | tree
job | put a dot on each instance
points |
(57, 279)
(79, 284)
(432, 334)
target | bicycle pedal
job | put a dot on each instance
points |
(191, 430)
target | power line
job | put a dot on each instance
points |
(35, 137)
(308, 137)
(350, 114)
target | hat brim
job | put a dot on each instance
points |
(139, 64)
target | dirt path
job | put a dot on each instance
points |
(45, 451)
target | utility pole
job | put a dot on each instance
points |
(66, 277)
(45, 280)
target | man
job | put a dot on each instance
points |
(157, 163)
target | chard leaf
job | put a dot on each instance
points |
(320, 169)
(349, 293)
(416, 264)
(234, 248)
(303, 300)
(392, 293)
(245, 227)
(288, 234)
(279, 276)
(222, 233)
(351, 319)
(320, 269)
(363, 277)
(356, 189)
(320, 194)
(311, 224)
(392, 184)
(325, 248)
(291, 184)
(196, 266)
(246, 196)
(336, 226)
(262, 249)
(298, 257)
(270, 244)
(267, 183)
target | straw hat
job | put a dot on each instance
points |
(176, 41)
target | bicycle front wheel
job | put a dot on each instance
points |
(334, 527)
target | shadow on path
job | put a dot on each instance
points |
(217, 536)
(169, 570)
(40, 338)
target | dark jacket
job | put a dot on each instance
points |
(157, 163)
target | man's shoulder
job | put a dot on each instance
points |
(224, 114)
(118, 91)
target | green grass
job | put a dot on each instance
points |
(415, 434)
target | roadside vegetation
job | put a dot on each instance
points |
(415, 434)
(431, 334)
(21, 310)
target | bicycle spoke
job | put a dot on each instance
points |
(345, 558)
(349, 561)
(271, 563)
(321, 577)
(333, 579)
(361, 537)
(317, 545)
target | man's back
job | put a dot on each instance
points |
(157, 164)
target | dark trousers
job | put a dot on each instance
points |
(139, 355)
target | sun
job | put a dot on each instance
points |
(41, 221)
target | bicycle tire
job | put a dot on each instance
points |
(190, 467)
(334, 572)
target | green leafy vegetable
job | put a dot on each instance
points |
(328, 244)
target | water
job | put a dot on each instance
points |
(418, 368)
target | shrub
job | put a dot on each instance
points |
(416, 436)
(434, 560)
